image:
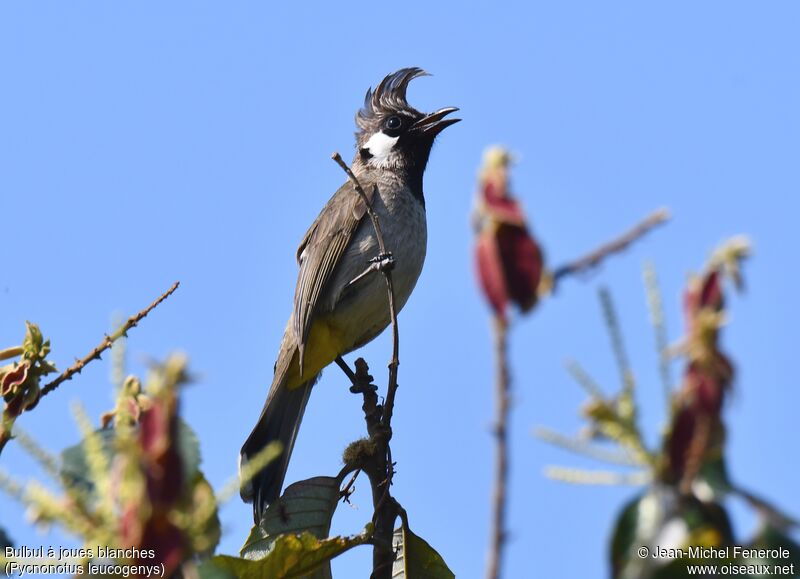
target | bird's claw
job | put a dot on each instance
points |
(384, 261)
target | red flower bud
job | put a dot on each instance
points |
(158, 436)
(12, 380)
(703, 292)
(508, 258)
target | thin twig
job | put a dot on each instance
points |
(345, 493)
(585, 448)
(583, 379)
(360, 190)
(107, 342)
(656, 306)
(617, 343)
(498, 531)
(596, 477)
(382, 473)
(593, 258)
(118, 360)
(403, 516)
(48, 462)
(11, 487)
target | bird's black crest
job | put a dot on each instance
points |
(390, 95)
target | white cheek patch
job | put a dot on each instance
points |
(380, 146)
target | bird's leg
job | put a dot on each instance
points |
(346, 369)
(383, 262)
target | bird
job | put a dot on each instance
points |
(337, 308)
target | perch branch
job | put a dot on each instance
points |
(388, 407)
(381, 471)
(107, 342)
(621, 243)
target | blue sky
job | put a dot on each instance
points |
(143, 143)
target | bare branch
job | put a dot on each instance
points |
(360, 190)
(374, 457)
(348, 489)
(107, 342)
(621, 243)
(499, 533)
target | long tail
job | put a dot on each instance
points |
(279, 421)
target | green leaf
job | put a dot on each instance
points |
(75, 470)
(33, 341)
(189, 447)
(416, 559)
(306, 505)
(205, 530)
(293, 556)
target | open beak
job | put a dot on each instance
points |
(434, 123)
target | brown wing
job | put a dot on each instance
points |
(320, 251)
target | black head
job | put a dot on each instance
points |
(393, 135)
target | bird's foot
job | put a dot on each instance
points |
(382, 262)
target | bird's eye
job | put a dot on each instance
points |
(393, 123)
